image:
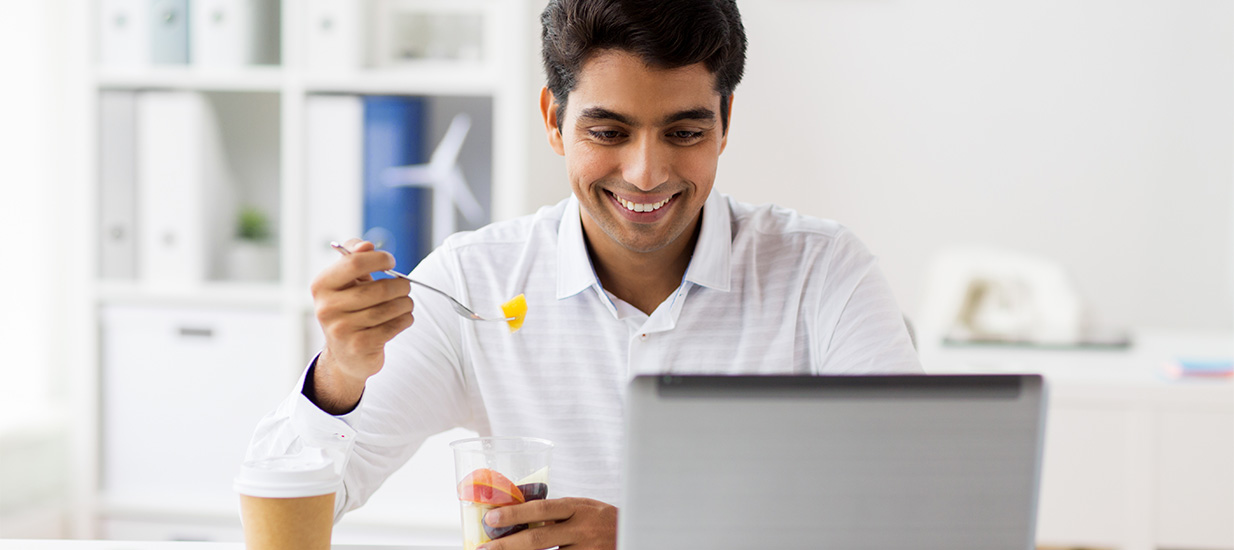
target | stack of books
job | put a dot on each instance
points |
(1200, 368)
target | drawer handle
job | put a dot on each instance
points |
(196, 332)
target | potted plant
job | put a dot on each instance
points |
(253, 255)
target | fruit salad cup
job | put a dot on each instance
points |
(498, 471)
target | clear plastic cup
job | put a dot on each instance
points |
(287, 502)
(498, 471)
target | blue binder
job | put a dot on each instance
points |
(400, 217)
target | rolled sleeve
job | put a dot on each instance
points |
(297, 424)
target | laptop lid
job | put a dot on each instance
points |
(845, 462)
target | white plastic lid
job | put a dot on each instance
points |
(307, 474)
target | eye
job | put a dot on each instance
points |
(685, 136)
(605, 136)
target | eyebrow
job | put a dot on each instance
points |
(600, 113)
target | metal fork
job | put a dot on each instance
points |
(458, 307)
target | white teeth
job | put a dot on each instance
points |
(635, 207)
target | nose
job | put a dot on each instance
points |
(647, 164)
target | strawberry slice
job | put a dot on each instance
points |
(486, 486)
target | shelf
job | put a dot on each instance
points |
(213, 294)
(423, 79)
(248, 79)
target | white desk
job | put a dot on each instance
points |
(121, 545)
(1133, 459)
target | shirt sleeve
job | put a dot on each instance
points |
(420, 391)
(865, 331)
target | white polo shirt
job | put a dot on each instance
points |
(767, 291)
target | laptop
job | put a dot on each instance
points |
(845, 462)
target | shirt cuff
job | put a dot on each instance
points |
(320, 428)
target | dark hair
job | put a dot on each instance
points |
(666, 34)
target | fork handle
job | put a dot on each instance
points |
(458, 307)
(394, 273)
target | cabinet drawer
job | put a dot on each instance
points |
(182, 391)
(1195, 481)
(1083, 477)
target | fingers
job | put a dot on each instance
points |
(370, 341)
(580, 523)
(358, 322)
(358, 245)
(364, 295)
(347, 315)
(357, 266)
(365, 305)
(358, 314)
(549, 536)
(553, 509)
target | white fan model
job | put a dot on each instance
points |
(443, 175)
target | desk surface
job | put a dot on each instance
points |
(124, 545)
(1135, 372)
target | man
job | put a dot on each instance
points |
(643, 270)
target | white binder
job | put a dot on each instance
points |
(169, 31)
(334, 34)
(124, 33)
(335, 134)
(117, 185)
(234, 33)
(178, 158)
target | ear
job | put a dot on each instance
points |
(548, 110)
(724, 139)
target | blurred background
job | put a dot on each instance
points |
(1049, 187)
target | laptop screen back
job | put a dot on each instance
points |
(846, 462)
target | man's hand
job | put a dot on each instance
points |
(358, 315)
(576, 523)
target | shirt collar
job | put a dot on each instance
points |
(574, 270)
(710, 266)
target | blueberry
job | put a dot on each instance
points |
(534, 491)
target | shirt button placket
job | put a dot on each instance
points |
(639, 354)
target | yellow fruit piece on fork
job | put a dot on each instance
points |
(516, 308)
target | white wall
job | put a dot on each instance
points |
(28, 177)
(43, 162)
(1097, 132)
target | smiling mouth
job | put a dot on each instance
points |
(642, 207)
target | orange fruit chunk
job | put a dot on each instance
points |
(516, 308)
(486, 486)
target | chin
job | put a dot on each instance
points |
(645, 245)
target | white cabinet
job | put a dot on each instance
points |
(1195, 478)
(1084, 467)
(182, 390)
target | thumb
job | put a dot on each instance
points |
(358, 245)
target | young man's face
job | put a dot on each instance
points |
(641, 147)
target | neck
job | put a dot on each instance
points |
(642, 279)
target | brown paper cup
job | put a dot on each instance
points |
(287, 523)
(287, 503)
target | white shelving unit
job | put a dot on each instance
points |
(280, 310)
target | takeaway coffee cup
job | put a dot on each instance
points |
(287, 503)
